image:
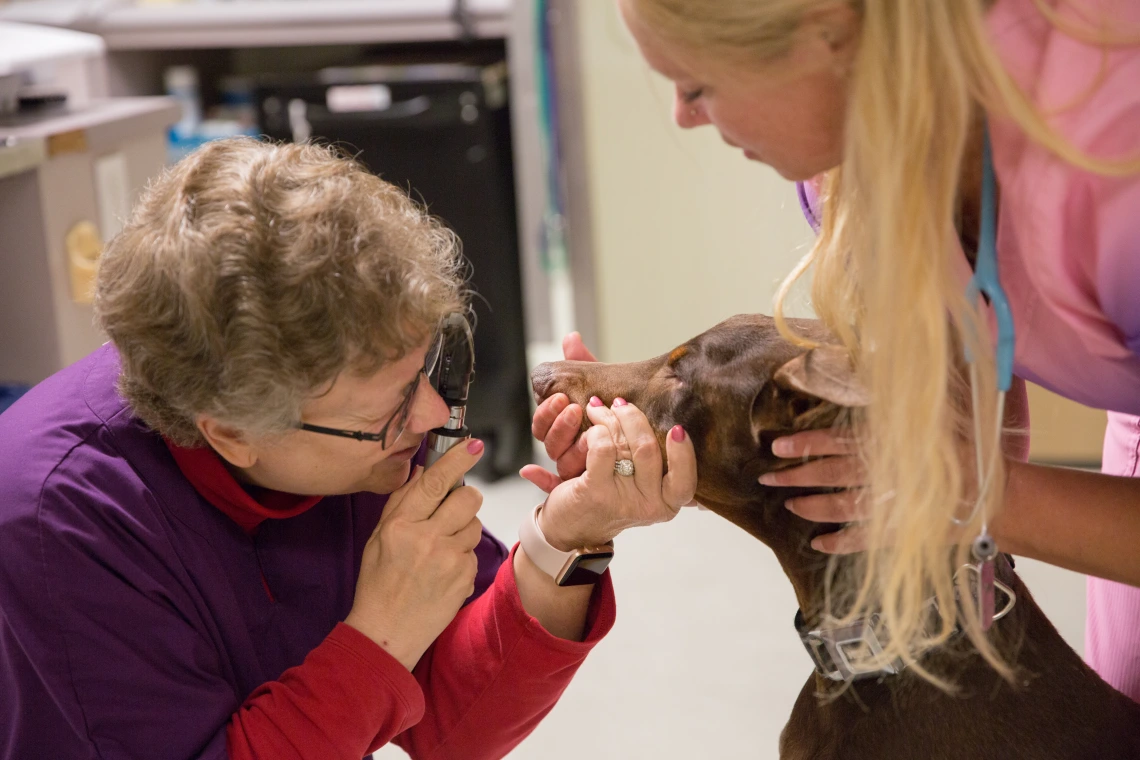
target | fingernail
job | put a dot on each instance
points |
(769, 479)
(620, 402)
(790, 505)
(817, 544)
(782, 447)
(474, 446)
(677, 433)
(595, 401)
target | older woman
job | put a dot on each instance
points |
(190, 571)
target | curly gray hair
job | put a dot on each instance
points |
(250, 275)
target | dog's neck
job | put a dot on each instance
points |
(805, 567)
(789, 537)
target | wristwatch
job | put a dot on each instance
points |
(579, 567)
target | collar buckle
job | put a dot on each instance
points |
(849, 652)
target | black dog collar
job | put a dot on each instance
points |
(853, 652)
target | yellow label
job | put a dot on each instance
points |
(84, 247)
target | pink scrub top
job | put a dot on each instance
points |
(1069, 257)
(1069, 240)
(1068, 247)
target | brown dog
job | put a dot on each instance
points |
(734, 389)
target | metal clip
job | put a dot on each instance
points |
(975, 582)
(985, 552)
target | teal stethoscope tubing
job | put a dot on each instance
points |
(985, 281)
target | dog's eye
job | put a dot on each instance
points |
(669, 379)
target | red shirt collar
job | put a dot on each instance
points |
(210, 478)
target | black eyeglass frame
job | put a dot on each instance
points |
(399, 417)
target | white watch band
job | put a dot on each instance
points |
(545, 557)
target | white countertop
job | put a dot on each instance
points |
(103, 122)
(21, 155)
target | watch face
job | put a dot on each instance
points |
(586, 569)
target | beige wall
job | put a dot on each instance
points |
(1063, 431)
(686, 231)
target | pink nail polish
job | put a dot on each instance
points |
(474, 446)
(620, 402)
(677, 433)
(595, 401)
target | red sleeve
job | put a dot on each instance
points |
(488, 680)
(495, 672)
(329, 706)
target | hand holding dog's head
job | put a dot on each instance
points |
(734, 389)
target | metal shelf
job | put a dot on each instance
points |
(267, 23)
(140, 39)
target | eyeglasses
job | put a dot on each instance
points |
(398, 422)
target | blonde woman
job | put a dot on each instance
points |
(880, 107)
(216, 541)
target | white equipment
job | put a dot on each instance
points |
(71, 163)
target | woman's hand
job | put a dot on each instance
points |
(557, 424)
(419, 565)
(837, 467)
(591, 509)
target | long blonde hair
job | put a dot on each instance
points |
(884, 277)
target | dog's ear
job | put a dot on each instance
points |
(824, 372)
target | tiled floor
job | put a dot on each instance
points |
(703, 661)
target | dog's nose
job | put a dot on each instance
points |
(541, 379)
